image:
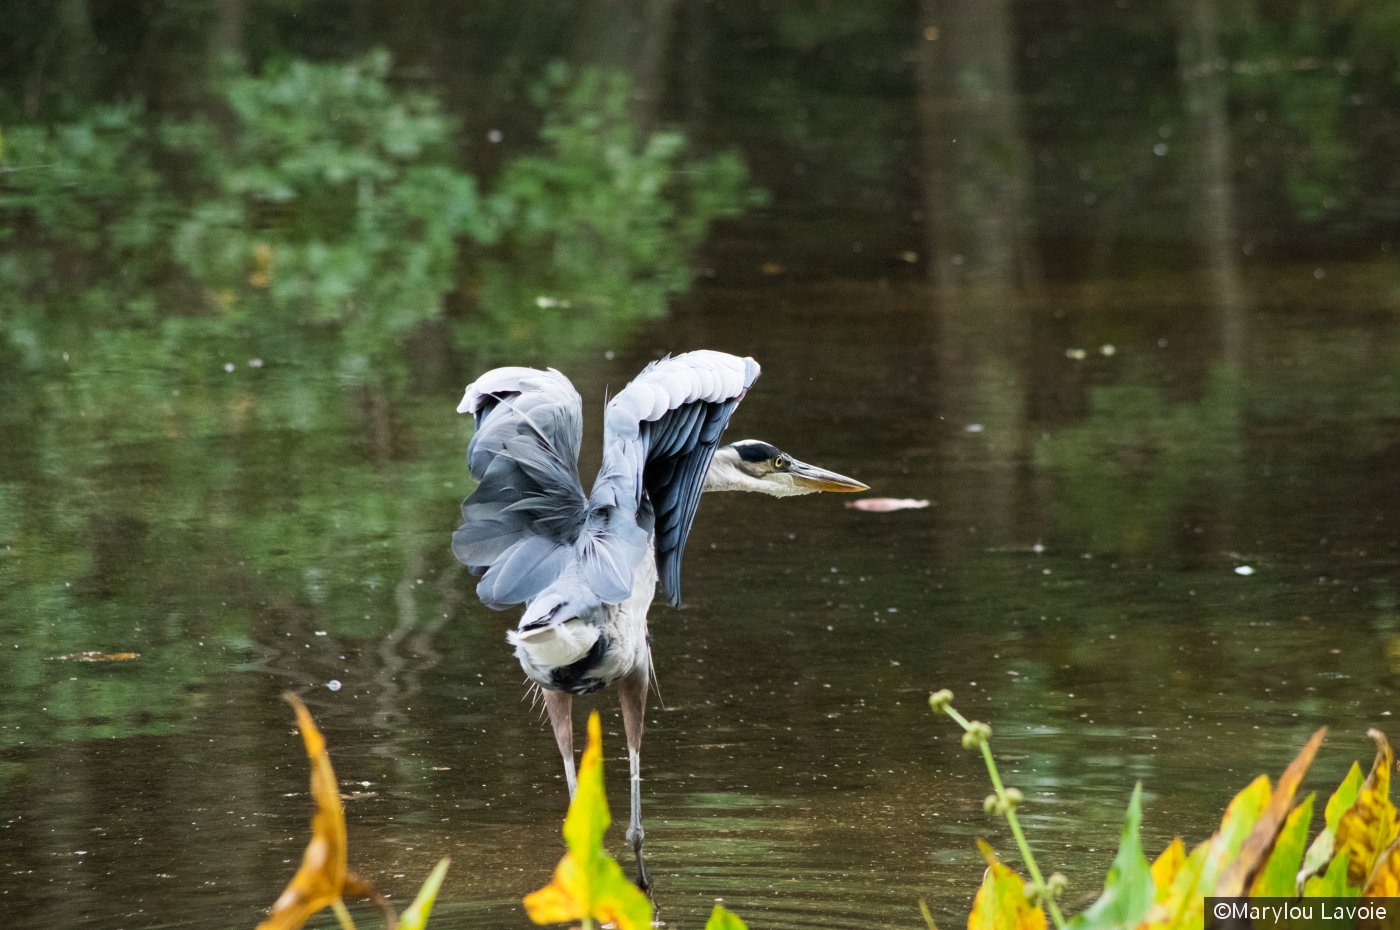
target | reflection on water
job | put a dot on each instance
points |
(1083, 339)
(1074, 583)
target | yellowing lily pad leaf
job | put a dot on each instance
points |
(321, 879)
(1370, 825)
(1165, 868)
(588, 883)
(1001, 901)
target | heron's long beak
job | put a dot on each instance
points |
(819, 479)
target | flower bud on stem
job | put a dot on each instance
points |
(977, 735)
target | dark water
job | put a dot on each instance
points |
(792, 766)
(1152, 398)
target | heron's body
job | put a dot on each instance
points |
(581, 657)
(587, 567)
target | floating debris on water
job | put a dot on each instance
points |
(974, 427)
(1243, 570)
(99, 657)
(333, 685)
(886, 504)
(1077, 354)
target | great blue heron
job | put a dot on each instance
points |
(586, 567)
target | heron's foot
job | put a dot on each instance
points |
(634, 837)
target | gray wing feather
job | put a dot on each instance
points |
(528, 508)
(659, 436)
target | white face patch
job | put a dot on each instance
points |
(725, 475)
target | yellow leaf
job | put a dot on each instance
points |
(1001, 901)
(1165, 868)
(1183, 906)
(556, 903)
(1384, 881)
(588, 883)
(321, 879)
(1370, 825)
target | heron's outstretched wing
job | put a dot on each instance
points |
(520, 524)
(659, 435)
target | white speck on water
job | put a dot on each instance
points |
(974, 427)
(1077, 354)
(494, 136)
(1320, 274)
(1107, 349)
(1037, 548)
(1243, 570)
(610, 355)
(254, 363)
(320, 632)
(1162, 343)
(228, 366)
(333, 685)
(892, 610)
(1159, 149)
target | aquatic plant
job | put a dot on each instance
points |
(324, 879)
(1259, 850)
(588, 884)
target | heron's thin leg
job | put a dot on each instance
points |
(632, 692)
(560, 705)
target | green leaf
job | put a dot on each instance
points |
(416, 917)
(1128, 891)
(721, 919)
(588, 816)
(1334, 883)
(1342, 800)
(1344, 797)
(1279, 877)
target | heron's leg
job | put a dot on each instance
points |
(632, 692)
(560, 705)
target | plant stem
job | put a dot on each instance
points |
(1021, 843)
(342, 915)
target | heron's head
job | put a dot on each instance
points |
(754, 465)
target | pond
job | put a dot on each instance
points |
(1160, 542)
